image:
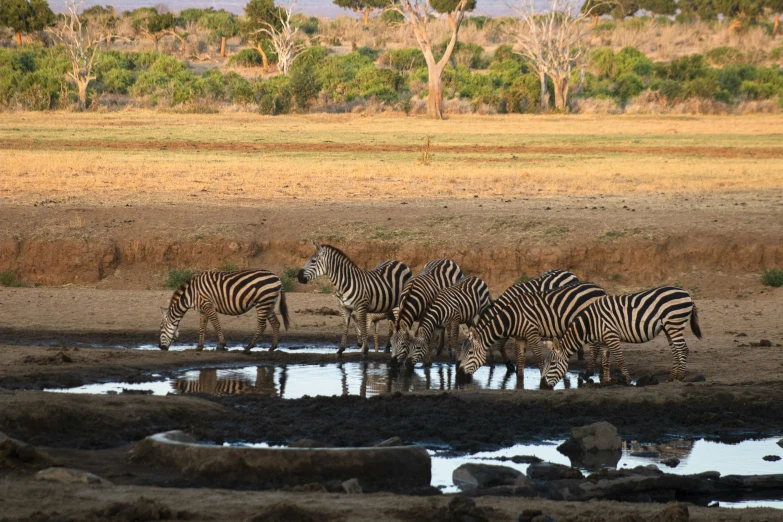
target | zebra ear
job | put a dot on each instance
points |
(472, 331)
(317, 245)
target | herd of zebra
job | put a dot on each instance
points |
(554, 306)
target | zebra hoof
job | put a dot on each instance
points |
(510, 368)
(199, 347)
(272, 348)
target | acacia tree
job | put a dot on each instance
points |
(258, 15)
(366, 8)
(25, 16)
(283, 37)
(82, 42)
(550, 42)
(597, 8)
(148, 22)
(417, 13)
(658, 7)
(221, 24)
(776, 7)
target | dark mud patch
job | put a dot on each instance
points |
(141, 510)
(289, 513)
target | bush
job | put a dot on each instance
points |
(178, 277)
(505, 52)
(240, 91)
(369, 52)
(524, 278)
(288, 278)
(305, 87)
(628, 85)
(308, 26)
(725, 55)
(392, 17)
(632, 60)
(524, 95)
(404, 59)
(274, 95)
(772, 277)
(247, 58)
(10, 279)
(601, 61)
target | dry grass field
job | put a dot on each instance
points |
(153, 157)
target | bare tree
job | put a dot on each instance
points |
(82, 40)
(417, 13)
(549, 39)
(283, 38)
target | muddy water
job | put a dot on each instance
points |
(293, 381)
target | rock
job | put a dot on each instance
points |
(780, 443)
(352, 487)
(765, 343)
(595, 460)
(524, 487)
(461, 505)
(529, 514)
(543, 518)
(525, 459)
(709, 475)
(544, 471)
(16, 454)
(70, 476)
(697, 378)
(646, 454)
(478, 476)
(309, 443)
(394, 441)
(672, 462)
(647, 380)
(600, 436)
(771, 458)
(674, 512)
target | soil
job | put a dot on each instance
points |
(107, 260)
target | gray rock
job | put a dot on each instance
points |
(524, 487)
(780, 443)
(70, 476)
(16, 454)
(595, 460)
(672, 462)
(471, 476)
(394, 441)
(646, 454)
(600, 436)
(309, 443)
(772, 458)
(709, 475)
(352, 487)
(543, 471)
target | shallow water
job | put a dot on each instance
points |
(293, 381)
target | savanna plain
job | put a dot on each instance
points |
(100, 213)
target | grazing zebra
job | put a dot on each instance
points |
(416, 297)
(459, 304)
(632, 318)
(361, 291)
(548, 280)
(228, 293)
(527, 318)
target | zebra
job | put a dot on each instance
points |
(632, 318)
(416, 297)
(229, 293)
(361, 291)
(372, 321)
(458, 304)
(229, 383)
(528, 318)
(548, 280)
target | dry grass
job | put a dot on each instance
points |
(582, 155)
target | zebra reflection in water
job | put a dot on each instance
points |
(234, 383)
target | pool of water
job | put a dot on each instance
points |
(288, 347)
(293, 381)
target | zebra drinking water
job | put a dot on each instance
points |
(632, 318)
(228, 293)
(358, 290)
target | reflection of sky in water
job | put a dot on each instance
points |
(297, 380)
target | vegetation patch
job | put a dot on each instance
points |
(772, 277)
(178, 277)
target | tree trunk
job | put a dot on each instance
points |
(561, 92)
(595, 20)
(435, 94)
(19, 39)
(777, 24)
(82, 85)
(182, 41)
(222, 46)
(366, 17)
(264, 59)
(544, 91)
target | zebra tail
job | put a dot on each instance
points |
(695, 323)
(284, 309)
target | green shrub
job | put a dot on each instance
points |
(178, 277)
(305, 87)
(392, 17)
(10, 279)
(369, 52)
(468, 55)
(117, 81)
(288, 277)
(505, 52)
(524, 95)
(725, 55)
(240, 91)
(477, 21)
(772, 277)
(628, 85)
(211, 86)
(274, 95)
(247, 58)
(308, 26)
(404, 59)
(228, 266)
(601, 61)
(310, 57)
(522, 279)
(632, 60)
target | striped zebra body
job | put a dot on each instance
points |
(632, 318)
(458, 304)
(546, 281)
(210, 383)
(228, 293)
(361, 291)
(418, 294)
(528, 318)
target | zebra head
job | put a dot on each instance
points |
(169, 330)
(315, 266)
(418, 349)
(400, 341)
(555, 366)
(473, 354)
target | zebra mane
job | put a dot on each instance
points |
(340, 253)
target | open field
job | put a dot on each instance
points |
(146, 157)
(96, 209)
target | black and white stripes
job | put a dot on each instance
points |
(360, 291)
(228, 293)
(527, 317)
(633, 318)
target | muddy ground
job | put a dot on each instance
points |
(114, 259)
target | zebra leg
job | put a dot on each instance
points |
(202, 330)
(453, 338)
(375, 334)
(361, 318)
(521, 352)
(679, 352)
(535, 345)
(275, 322)
(606, 377)
(261, 313)
(614, 346)
(347, 320)
(502, 349)
(388, 339)
(591, 362)
(216, 324)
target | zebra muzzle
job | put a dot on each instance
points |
(300, 276)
